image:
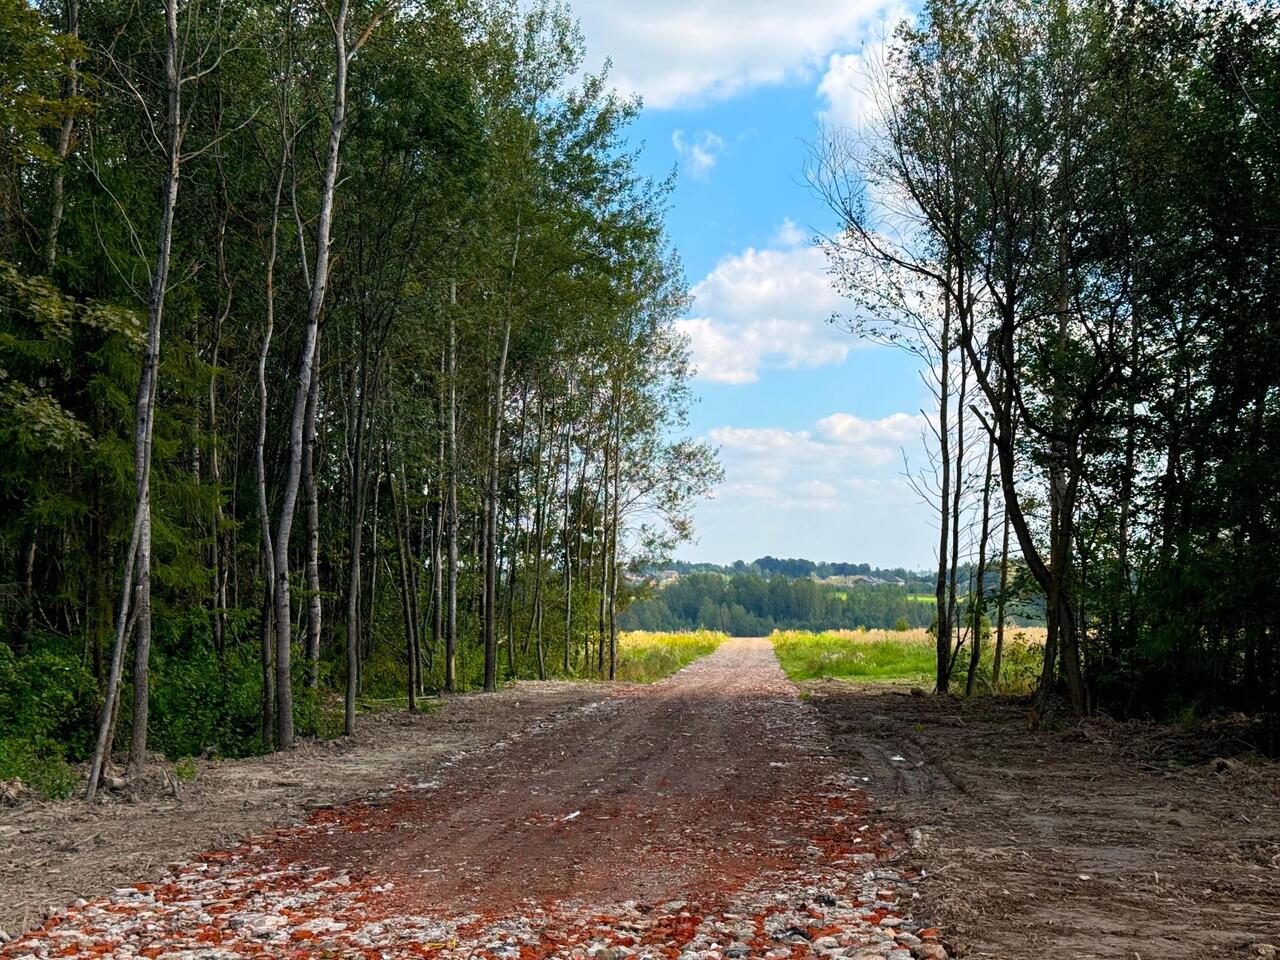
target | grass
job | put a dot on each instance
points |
(644, 657)
(902, 655)
(855, 654)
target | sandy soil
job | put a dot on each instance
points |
(51, 854)
(1102, 840)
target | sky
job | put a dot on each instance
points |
(811, 424)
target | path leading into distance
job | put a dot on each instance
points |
(700, 817)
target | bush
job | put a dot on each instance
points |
(47, 697)
(38, 764)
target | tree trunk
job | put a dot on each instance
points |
(942, 637)
(568, 540)
(137, 573)
(451, 506)
(977, 598)
(406, 604)
(315, 305)
(57, 189)
(314, 607)
(491, 520)
(1000, 606)
(957, 490)
(613, 555)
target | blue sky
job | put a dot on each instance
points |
(811, 423)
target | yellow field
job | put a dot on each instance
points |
(1022, 636)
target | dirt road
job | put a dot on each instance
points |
(703, 816)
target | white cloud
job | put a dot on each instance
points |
(833, 490)
(765, 308)
(699, 153)
(897, 428)
(840, 445)
(789, 235)
(847, 89)
(853, 79)
(682, 52)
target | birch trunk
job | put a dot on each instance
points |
(451, 507)
(568, 541)
(136, 581)
(315, 305)
(491, 520)
(314, 608)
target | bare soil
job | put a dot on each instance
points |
(1100, 840)
(52, 853)
(702, 816)
(716, 814)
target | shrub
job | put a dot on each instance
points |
(48, 696)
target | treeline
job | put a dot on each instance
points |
(768, 566)
(1070, 212)
(336, 358)
(748, 605)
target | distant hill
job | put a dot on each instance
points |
(768, 567)
(753, 599)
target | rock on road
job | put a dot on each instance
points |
(699, 817)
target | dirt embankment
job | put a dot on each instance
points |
(1103, 840)
(53, 853)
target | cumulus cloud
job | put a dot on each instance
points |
(897, 428)
(698, 153)
(832, 490)
(765, 308)
(842, 462)
(847, 89)
(681, 53)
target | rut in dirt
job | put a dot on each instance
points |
(699, 817)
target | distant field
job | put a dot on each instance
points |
(902, 655)
(644, 657)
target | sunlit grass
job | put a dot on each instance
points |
(903, 655)
(855, 654)
(644, 657)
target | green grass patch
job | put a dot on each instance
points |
(907, 655)
(645, 657)
(855, 654)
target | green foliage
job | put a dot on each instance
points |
(745, 604)
(48, 697)
(186, 769)
(34, 61)
(646, 657)
(48, 703)
(39, 765)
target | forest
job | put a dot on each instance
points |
(747, 605)
(1069, 213)
(768, 566)
(336, 367)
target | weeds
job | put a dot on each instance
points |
(645, 657)
(904, 655)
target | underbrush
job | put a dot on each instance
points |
(906, 655)
(645, 657)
